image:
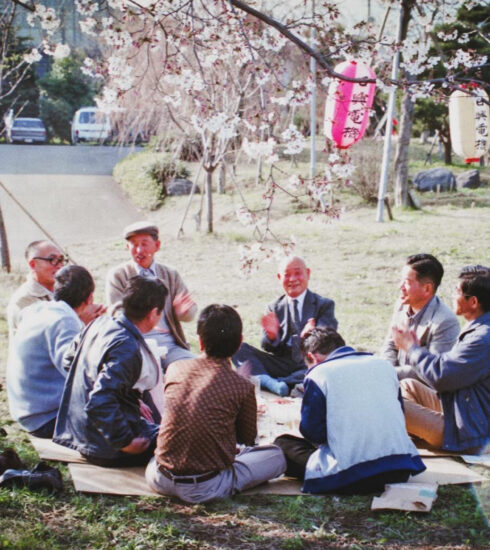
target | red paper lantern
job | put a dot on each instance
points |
(348, 104)
(468, 123)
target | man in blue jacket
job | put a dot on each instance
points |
(35, 368)
(280, 364)
(451, 409)
(352, 420)
(112, 367)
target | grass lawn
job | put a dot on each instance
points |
(353, 260)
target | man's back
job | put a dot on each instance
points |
(351, 408)
(27, 294)
(99, 412)
(35, 372)
(361, 394)
(208, 409)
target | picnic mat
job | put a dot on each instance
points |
(88, 478)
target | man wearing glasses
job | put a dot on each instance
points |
(44, 260)
(452, 411)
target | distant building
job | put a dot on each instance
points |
(69, 31)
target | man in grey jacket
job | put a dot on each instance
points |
(421, 311)
(143, 243)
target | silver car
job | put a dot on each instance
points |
(27, 130)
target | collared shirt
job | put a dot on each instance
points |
(146, 271)
(414, 318)
(209, 408)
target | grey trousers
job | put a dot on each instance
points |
(252, 466)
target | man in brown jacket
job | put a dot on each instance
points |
(143, 243)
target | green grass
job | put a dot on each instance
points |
(355, 261)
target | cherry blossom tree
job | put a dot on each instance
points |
(206, 66)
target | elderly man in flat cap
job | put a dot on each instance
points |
(143, 243)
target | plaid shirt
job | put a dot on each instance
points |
(209, 408)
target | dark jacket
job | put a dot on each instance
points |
(461, 377)
(99, 412)
(315, 306)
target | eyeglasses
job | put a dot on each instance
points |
(53, 260)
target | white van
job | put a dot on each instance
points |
(89, 124)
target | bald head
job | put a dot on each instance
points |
(294, 275)
(44, 259)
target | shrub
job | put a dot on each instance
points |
(365, 179)
(191, 149)
(162, 169)
(143, 176)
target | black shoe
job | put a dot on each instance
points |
(41, 476)
(9, 459)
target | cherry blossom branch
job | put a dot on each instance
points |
(284, 30)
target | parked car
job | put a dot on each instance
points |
(89, 124)
(27, 130)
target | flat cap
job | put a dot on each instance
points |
(141, 228)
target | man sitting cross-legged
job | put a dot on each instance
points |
(352, 419)
(451, 409)
(281, 364)
(209, 408)
(36, 370)
(101, 413)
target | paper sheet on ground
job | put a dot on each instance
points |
(131, 481)
(47, 450)
(481, 460)
(412, 497)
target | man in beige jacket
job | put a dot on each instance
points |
(143, 243)
(44, 259)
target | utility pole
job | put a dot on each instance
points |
(385, 166)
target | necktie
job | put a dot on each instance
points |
(296, 317)
(148, 273)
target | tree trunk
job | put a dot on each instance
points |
(209, 199)
(402, 148)
(222, 178)
(4, 245)
(445, 137)
(406, 122)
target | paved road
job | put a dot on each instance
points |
(68, 190)
(61, 159)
